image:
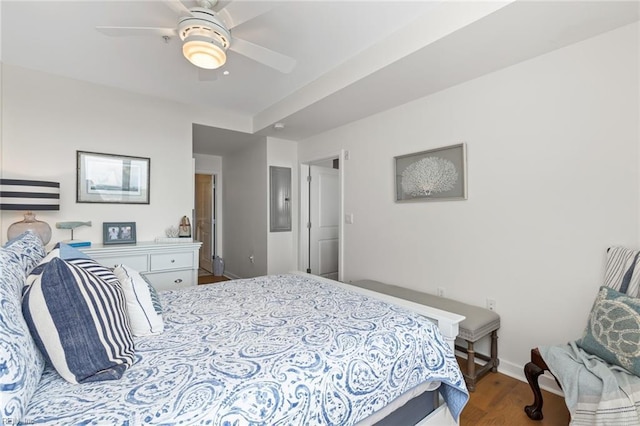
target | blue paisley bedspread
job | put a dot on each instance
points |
(279, 350)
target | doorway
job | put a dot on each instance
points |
(205, 231)
(321, 209)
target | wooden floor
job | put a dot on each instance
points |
(500, 400)
(210, 279)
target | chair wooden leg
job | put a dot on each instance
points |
(533, 370)
(471, 367)
(494, 351)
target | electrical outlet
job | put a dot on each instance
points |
(491, 304)
(440, 291)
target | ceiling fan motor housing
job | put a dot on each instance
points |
(203, 25)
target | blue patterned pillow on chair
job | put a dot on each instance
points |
(21, 363)
(613, 330)
(79, 322)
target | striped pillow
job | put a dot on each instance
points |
(142, 314)
(79, 322)
(76, 257)
(622, 272)
(155, 299)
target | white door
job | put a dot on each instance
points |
(324, 214)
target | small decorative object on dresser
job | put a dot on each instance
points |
(118, 233)
(185, 228)
(72, 226)
(436, 174)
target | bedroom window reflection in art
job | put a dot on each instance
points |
(434, 175)
(108, 178)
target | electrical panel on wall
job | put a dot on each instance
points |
(280, 198)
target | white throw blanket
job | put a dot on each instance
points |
(596, 393)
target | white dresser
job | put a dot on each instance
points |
(167, 265)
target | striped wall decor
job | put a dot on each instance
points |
(29, 195)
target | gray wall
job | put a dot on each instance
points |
(245, 211)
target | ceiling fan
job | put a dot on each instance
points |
(206, 34)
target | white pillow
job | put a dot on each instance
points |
(142, 314)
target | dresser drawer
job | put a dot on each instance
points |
(171, 280)
(168, 261)
(137, 262)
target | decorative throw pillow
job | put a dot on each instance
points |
(21, 363)
(622, 272)
(79, 322)
(29, 248)
(142, 314)
(154, 295)
(75, 256)
(613, 330)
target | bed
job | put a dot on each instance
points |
(278, 350)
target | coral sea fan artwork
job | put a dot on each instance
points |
(434, 175)
(429, 175)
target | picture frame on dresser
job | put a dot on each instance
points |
(111, 178)
(118, 233)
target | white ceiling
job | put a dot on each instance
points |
(354, 58)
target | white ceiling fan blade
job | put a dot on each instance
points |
(207, 75)
(263, 55)
(237, 12)
(137, 31)
(178, 7)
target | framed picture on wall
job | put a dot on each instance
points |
(435, 175)
(118, 233)
(109, 178)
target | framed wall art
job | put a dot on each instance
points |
(108, 178)
(118, 233)
(434, 175)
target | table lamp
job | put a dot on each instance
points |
(29, 196)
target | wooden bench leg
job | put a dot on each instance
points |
(533, 370)
(471, 367)
(494, 351)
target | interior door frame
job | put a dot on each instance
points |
(303, 245)
(214, 216)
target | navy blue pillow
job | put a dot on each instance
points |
(79, 322)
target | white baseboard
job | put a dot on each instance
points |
(546, 381)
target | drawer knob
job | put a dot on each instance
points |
(173, 261)
(178, 281)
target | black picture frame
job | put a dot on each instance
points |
(111, 178)
(118, 233)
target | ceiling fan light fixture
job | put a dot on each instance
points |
(204, 53)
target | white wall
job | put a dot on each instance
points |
(245, 211)
(282, 246)
(553, 181)
(47, 118)
(212, 165)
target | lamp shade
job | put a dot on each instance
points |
(29, 195)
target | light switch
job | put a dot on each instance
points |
(348, 218)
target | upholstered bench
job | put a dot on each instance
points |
(479, 323)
